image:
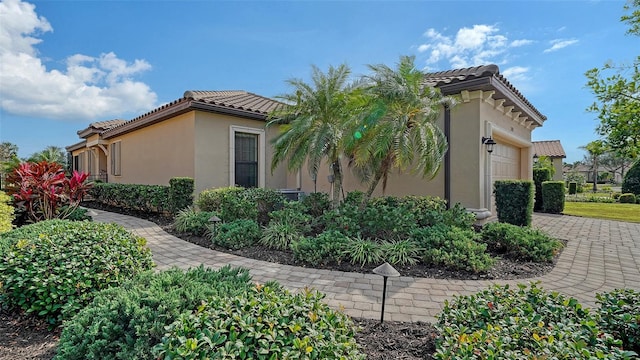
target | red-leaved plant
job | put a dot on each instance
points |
(44, 192)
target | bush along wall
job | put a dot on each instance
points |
(553, 197)
(180, 193)
(627, 198)
(148, 198)
(631, 183)
(540, 176)
(514, 201)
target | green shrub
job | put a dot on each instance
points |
(620, 315)
(401, 252)
(514, 201)
(232, 203)
(147, 198)
(327, 246)
(452, 247)
(236, 234)
(428, 210)
(363, 252)
(180, 193)
(268, 323)
(53, 268)
(540, 175)
(631, 182)
(127, 321)
(345, 219)
(279, 235)
(316, 203)
(293, 213)
(627, 198)
(520, 243)
(79, 214)
(385, 218)
(595, 198)
(616, 195)
(522, 323)
(190, 221)
(573, 188)
(553, 196)
(6, 213)
(265, 201)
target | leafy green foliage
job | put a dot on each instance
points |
(540, 175)
(53, 268)
(280, 235)
(266, 201)
(363, 252)
(514, 201)
(180, 193)
(452, 247)
(327, 246)
(402, 252)
(147, 198)
(631, 183)
(553, 196)
(523, 323)
(233, 203)
(344, 218)
(6, 213)
(627, 198)
(316, 204)
(620, 315)
(236, 234)
(191, 221)
(266, 323)
(520, 243)
(79, 214)
(126, 322)
(573, 187)
(293, 213)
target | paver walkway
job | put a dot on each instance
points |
(600, 256)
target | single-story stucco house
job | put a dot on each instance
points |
(219, 138)
(553, 150)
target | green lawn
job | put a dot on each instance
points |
(615, 211)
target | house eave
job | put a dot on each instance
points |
(77, 146)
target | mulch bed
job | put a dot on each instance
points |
(26, 337)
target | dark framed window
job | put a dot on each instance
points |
(246, 159)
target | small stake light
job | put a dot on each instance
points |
(214, 220)
(385, 270)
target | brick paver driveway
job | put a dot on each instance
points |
(600, 256)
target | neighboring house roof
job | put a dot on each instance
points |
(229, 102)
(550, 148)
(486, 78)
(100, 126)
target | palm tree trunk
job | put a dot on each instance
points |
(337, 183)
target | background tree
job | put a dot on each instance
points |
(51, 154)
(595, 149)
(617, 92)
(315, 122)
(8, 160)
(398, 129)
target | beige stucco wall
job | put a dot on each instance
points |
(213, 146)
(155, 154)
(557, 165)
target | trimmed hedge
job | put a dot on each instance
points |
(514, 201)
(524, 323)
(181, 193)
(573, 188)
(628, 198)
(54, 268)
(147, 198)
(539, 176)
(128, 321)
(520, 243)
(553, 196)
(6, 213)
(234, 203)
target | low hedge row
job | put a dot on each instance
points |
(55, 267)
(522, 323)
(6, 213)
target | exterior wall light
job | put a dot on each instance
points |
(535, 158)
(489, 143)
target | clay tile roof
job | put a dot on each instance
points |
(106, 125)
(468, 75)
(235, 99)
(550, 148)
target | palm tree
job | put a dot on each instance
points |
(595, 149)
(52, 154)
(399, 131)
(314, 123)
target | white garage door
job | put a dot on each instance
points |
(505, 162)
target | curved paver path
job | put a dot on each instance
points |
(600, 256)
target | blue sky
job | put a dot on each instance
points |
(64, 64)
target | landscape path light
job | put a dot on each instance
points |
(385, 270)
(214, 220)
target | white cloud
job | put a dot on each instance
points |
(516, 73)
(558, 44)
(89, 88)
(471, 46)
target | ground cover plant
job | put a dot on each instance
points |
(523, 322)
(53, 268)
(126, 322)
(619, 312)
